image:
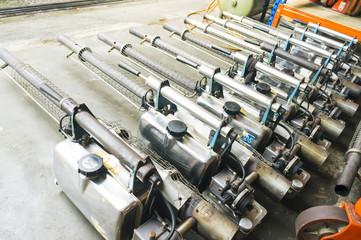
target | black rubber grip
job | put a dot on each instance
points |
(221, 49)
(258, 27)
(287, 26)
(295, 20)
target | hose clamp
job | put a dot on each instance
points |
(123, 47)
(152, 41)
(84, 49)
(182, 35)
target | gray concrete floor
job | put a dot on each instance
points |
(32, 206)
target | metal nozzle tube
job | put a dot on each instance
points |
(348, 174)
(209, 29)
(86, 121)
(248, 32)
(127, 50)
(283, 37)
(33, 77)
(332, 32)
(104, 67)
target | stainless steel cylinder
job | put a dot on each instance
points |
(346, 106)
(209, 29)
(312, 153)
(242, 89)
(212, 224)
(333, 33)
(243, 30)
(332, 127)
(177, 98)
(294, 41)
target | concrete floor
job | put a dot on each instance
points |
(32, 206)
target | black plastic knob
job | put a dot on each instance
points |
(231, 108)
(263, 88)
(177, 128)
(90, 165)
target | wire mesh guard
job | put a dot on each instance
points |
(356, 137)
(50, 107)
(128, 95)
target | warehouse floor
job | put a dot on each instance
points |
(32, 206)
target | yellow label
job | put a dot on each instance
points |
(110, 163)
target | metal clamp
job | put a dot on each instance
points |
(183, 33)
(295, 91)
(272, 56)
(216, 134)
(152, 41)
(303, 35)
(123, 47)
(316, 29)
(316, 75)
(162, 84)
(287, 44)
(245, 66)
(84, 49)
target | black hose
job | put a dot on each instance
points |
(150, 210)
(326, 95)
(243, 171)
(149, 200)
(305, 110)
(172, 216)
(291, 135)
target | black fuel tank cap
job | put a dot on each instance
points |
(177, 128)
(90, 165)
(263, 87)
(231, 108)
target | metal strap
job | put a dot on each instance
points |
(214, 140)
(294, 91)
(270, 59)
(340, 50)
(287, 45)
(162, 84)
(350, 44)
(211, 83)
(266, 113)
(316, 29)
(316, 75)
(303, 34)
(328, 60)
(245, 65)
